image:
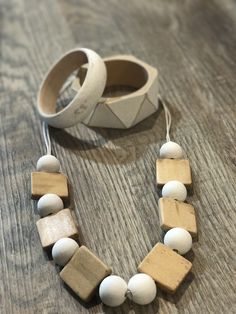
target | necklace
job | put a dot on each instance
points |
(164, 266)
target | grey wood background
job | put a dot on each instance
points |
(112, 172)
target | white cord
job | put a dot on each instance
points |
(46, 137)
(167, 118)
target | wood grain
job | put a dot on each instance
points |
(173, 169)
(173, 213)
(192, 43)
(166, 267)
(44, 182)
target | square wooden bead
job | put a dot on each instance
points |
(45, 182)
(174, 213)
(166, 267)
(54, 227)
(173, 169)
(84, 272)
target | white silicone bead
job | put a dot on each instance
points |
(112, 290)
(175, 189)
(171, 150)
(48, 163)
(49, 204)
(63, 250)
(178, 239)
(142, 289)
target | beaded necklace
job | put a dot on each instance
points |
(163, 267)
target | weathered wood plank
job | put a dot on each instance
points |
(192, 43)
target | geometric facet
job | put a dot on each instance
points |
(146, 110)
(128, 110)
(103, 110)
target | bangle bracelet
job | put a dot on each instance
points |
(86, 98)
(130, 93)
(83, 271)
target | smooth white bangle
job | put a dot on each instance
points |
(86, 98)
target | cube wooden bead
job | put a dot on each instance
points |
(84, 272)
(173, 213)
(166, 267)
(45, 182)
(173, 169)
(55, 227)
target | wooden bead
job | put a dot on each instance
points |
(48, 163)
(171, 150)
(166, 267)
(174, 213)
(55, 227)
(173, 169)
(44, 183)
(63, 250)
(49, 204)
(142, 289)
(174, 189)
(112, 291)
(84, 272)
(179, 240)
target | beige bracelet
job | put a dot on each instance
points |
(86, 98)
(92, 105)
(130, 94)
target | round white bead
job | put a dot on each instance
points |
(48, 163)
(63, 250)
(175, 189)
(142, 289)
(112, 290)
(178, 239)
(171, 150)
(49, 204)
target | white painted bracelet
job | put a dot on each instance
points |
(130, 95)
(86, 98)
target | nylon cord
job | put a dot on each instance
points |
(167, 118)
(46, 137)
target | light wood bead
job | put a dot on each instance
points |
(63, 250)
(55, 227)
(166, 267)
(84, 272)
(173, 169)
(142, 289)
(174, 213)
(44, 183)
(48, 163)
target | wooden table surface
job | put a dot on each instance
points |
(112, 172)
